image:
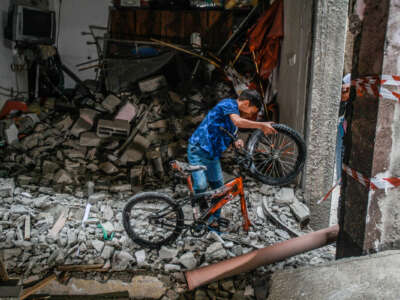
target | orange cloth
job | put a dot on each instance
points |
(265, 38)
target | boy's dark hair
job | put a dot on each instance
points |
(253, 96)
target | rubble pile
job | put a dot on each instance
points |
(68, 172)
(42, 229)
(119, 142)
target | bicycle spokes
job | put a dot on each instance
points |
(275, 155)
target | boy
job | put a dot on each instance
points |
(208, 142)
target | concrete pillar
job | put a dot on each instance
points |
(369, 219)
(330, 18)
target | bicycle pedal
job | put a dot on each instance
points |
(223, 222)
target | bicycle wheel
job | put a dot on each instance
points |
(152, 219)
(276, 159)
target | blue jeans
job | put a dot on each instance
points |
(212, 176)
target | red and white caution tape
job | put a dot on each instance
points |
(374, 85)
(330, 191)
(375, 183)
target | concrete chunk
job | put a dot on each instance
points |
(89, 139)
(80, 126)
(367, 277)
(300, 211)
(108, 168)
(62, 177)
(285, 196)
(6, 187)
(111, 102)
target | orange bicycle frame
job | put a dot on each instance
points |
(232, 189)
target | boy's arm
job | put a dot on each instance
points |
(265, 127)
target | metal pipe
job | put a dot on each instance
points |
(254, 259)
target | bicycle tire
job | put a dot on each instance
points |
(159, 198)
(256, 139)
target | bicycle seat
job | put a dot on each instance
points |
(183, 167)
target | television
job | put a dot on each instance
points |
(32, 25)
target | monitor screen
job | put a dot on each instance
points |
(37, 23)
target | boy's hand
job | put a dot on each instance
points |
(239, 143)
(267, 128)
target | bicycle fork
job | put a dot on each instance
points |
(236, 186)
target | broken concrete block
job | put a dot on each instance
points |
(80, 126)
(7, 186)
(140, 142)
(89, 139)
(24, 179)
(92, 167)
(300, 211)
(107, 252)
(62, 177)
(122, 260)
(64, 124)
(75, 154)
(108, 168)
(158, 124)
(285, 196)
(188, 260)
(88, 115)
(131, 154)
(111, 102)
(71, 165)
(116, 128)
(121, 188)
(49, 167)
(152, 84)
(140, 257)
(167, 253)
(97, 245)
(31, 141)
(147, 287)
(127, 112)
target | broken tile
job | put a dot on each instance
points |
(127, 112)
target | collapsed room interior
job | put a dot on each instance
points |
(98, 99)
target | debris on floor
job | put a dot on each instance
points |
(58, 238)
(68, 175)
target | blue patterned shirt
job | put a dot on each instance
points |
(208, 136)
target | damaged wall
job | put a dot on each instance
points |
(383, 220)
(76, 16)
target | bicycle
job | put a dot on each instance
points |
(154, 219)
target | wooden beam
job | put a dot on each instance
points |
(78, 268)
(29, 291)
